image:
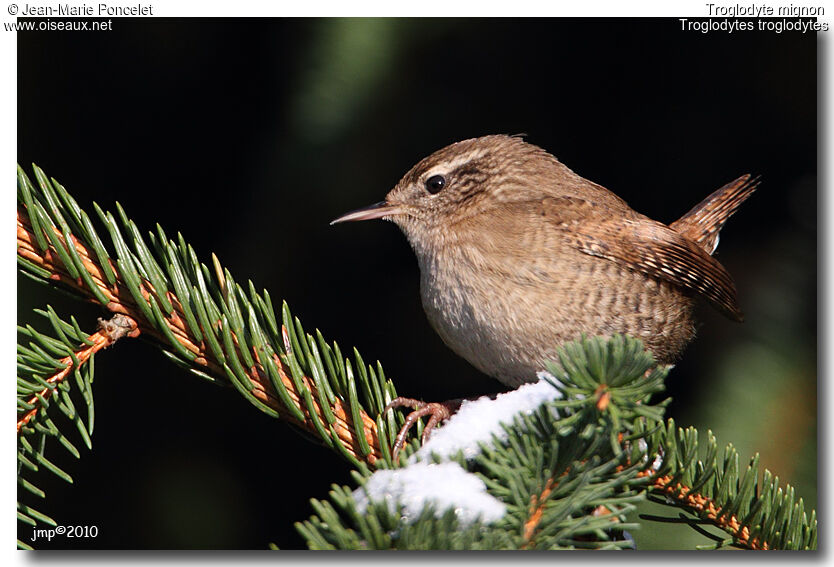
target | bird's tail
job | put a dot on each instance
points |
(705, 220)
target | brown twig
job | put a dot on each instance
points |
(706, 508)
(109, 332)
(121, 301)
(699, 503)
(536, 510)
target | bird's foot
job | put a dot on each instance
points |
(438, 412)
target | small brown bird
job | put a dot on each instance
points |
(518, 255)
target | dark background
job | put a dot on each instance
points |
(249, 136)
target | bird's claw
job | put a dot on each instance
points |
(438, 412)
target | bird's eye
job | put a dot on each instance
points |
(435, 183)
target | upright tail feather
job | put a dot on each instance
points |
(705, 220)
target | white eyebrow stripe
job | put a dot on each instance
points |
(458, 161)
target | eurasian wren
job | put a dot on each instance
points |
(518, 255)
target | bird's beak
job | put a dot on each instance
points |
(375, 211)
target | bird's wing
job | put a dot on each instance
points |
(643, 245)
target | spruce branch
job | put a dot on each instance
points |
(564, 483)
(206, 322)
(570, 472)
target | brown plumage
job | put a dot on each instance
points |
(518, 254)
